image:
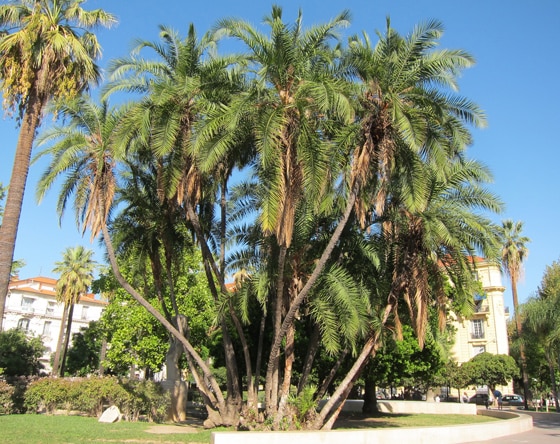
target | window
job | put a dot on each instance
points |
(27, 304)
(47, 328)
(23, 324)
(477, 329)
(478, 349)
(85, 312)
(50, 308)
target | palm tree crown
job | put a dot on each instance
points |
(46, 51)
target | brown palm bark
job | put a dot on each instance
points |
(60, 341)
(216, 403)
(16, 190)
(66, 339)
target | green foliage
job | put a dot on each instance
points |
(83, 357)
(403, 362)
(489, 369)
(91, 395)
(304, 404)
(19, 355)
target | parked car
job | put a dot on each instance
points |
(480, 399)
(513, 401)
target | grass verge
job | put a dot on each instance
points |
(46, 429)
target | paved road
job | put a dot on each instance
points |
(546, 430)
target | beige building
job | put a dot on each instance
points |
(31, 305)
(486, 330)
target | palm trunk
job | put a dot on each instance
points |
(102, 355)
(329, 378)
(217, 399)
(259, 355)
(212, 270)
(16, 190)
(288, 370)
(333, 405)
(312, 348)
(522, 353)
(272, 377)
(56, 362)
(319, 267)
(66, 339)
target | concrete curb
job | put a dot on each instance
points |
(513, 423)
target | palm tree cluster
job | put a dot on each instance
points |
(332, 180)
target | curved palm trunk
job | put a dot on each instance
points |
(215, 398)
(335, 403)
(212, 270)
(16, 190)
(56, 362)
(272, 377)
(319, 267)
(67, 339)
(312, 348)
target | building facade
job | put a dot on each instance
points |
(31, 305)
(486, 330)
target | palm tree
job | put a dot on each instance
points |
(186, 81)
(289, 106)
(83, 152)
(429, 233)
(76, 275)
(514, 252)
(46, 51)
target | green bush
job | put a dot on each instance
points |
(6, 401)
(92, 395)
(47, 394)
(19, 384)
(146, 398)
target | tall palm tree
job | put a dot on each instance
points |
(84, 154)
(186, 81)
(514, 252)
(76, 275)
(46, 51)
(429, 233)
(289, 106)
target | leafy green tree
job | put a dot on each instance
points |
(541, 316)
(490, 370)
(401, 363)
(19, 355)
(76, 275)
(514, 252)
(83, 357)
(46, 51)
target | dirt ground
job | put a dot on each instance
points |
(190, 426)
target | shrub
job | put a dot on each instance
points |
(92, 395)
(47, 394)
(146, 398)
(20, 384)
(6, 401)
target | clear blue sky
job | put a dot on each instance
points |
(516, 44)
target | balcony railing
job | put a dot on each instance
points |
(478, 335)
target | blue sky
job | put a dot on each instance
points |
(516, 45)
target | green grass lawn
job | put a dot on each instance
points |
(39, 429)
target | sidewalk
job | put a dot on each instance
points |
(546, 430)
